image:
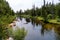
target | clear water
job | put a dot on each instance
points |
(37, 31)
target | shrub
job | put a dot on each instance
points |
(18, 34)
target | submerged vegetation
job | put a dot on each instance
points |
(50, 12)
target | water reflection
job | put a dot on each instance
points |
(20, 18)
(34, 22)
(50, 27)
(40, 30)
(57, 32)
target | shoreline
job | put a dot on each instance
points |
(52, 21)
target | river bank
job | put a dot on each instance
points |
(8, 24)
(37, 31)
(52, 21)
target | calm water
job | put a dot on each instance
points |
(38, 31)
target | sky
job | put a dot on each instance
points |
(16, 5)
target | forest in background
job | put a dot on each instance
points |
(49, 12)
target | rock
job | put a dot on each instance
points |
(14, 21)
(12, 24)
(10, 38)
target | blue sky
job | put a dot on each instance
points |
(16, 5)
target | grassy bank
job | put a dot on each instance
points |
(17, 34)
(6, 31)
(7, 19)
(54, 21)
(4, 21)
(26, 16)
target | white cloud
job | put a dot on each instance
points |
(16, 5)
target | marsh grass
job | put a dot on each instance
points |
(17, 34)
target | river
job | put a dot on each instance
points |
(37, 31)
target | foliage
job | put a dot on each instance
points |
(47, 11)
(17, 34)
(6, 17)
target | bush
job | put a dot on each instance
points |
(18, 34)
(49, 16)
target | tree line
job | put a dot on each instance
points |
(47, 11)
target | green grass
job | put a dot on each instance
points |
(40, 18)
(5, 31)
(6, 19)
(18, 34)
(53, 21)
(26, 16)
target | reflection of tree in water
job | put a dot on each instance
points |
(57, 37)
(33, 23)
(57, 32)
(49, 27)
(42, 30)
(20, 18)
(37, 23)
(46, 27)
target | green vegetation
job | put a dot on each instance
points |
(48, 12)
(7, 16)
(17, 34)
